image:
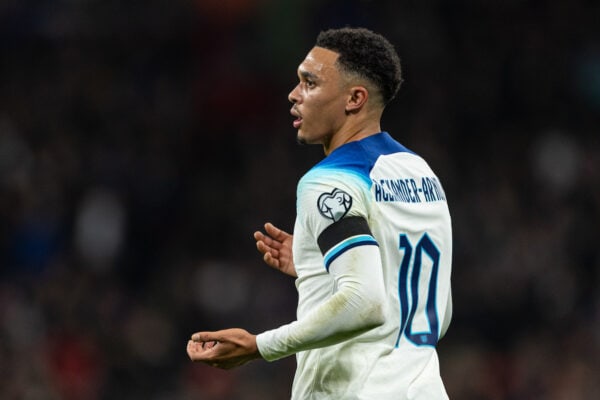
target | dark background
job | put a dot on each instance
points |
(143, 142)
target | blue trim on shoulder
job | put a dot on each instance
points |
(360, 156)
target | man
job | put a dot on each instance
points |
(372, 242)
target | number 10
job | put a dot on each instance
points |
(413, 271)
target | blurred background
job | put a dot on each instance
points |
(143, 142)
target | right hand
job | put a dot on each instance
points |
(224, 349)
(276, 248)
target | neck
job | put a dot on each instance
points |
(351, 133)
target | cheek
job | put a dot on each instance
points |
(323, 112)
(326, 105)
(332, 112)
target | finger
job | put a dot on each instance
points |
(262, 244)
(193, 349)
(268, 241)
(273, 231)
(270, 260)
(205, 337)
(277, 233)
(196, 352)
(264, 248)
(261, 237)
(193, 346)
(258, 235)
(209, 345)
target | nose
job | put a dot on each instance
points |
(294, 96)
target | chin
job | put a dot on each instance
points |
(301, 141)
(306, 139)
(301, 138)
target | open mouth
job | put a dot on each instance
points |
(298, 121)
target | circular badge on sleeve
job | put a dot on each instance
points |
(334, 205)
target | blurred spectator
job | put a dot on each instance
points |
(142, 144)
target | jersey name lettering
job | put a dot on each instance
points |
(407, 190)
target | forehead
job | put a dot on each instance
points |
(319, 61)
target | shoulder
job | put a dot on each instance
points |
(340, 184)
(354, 161)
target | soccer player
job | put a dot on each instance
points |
(372, 244)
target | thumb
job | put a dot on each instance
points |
(204, 337)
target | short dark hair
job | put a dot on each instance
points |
(367, 54)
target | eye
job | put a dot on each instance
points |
(309, 83)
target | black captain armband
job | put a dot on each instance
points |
(344, 229)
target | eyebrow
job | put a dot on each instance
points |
(308, 75)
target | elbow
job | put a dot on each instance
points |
(368, 307)
(379, 315)
(374, 314)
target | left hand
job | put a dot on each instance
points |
(224, 349)
(276, 248)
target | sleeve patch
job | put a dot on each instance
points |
(334, 205)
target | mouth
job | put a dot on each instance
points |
(298, 121)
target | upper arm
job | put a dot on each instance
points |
(351, 256)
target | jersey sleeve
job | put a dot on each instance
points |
(356, 307)
(332, 207)
(326, 196)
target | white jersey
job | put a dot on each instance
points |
(369, 202)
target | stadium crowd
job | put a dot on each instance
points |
(142, 144)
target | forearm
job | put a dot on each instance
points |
(355, 308)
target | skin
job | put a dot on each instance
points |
(334, 108)
(331, 108)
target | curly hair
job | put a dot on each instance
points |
(366, 54)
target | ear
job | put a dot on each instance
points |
(358, 97)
